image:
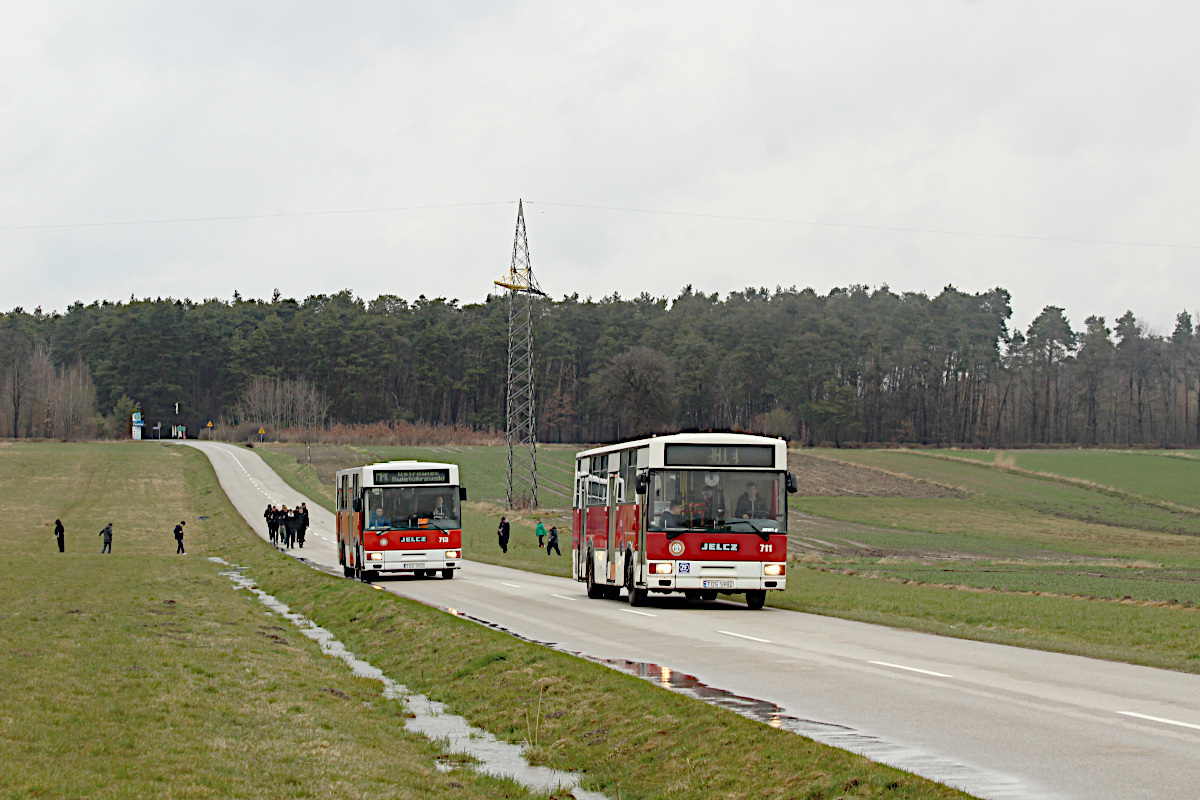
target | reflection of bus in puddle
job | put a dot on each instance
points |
(399, 518)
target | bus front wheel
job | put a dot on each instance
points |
(447, 574)
(756, 598)
(636, 596)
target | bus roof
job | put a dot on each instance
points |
(412, 465)
(684, 438)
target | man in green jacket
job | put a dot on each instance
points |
(541, 533)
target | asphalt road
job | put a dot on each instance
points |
(996, 721)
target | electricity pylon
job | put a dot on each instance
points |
(520, 419)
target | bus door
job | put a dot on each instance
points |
(611, 548)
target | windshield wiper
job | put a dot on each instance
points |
(764, 535)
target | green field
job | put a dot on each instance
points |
(142, 674)
(1168, 475)
(1049, 560)
(1007, 557)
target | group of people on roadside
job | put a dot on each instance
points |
(287, 526)
(546, 540)
(106, 537)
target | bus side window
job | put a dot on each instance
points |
(627, 470)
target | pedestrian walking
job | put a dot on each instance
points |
(280, 516)
(289, 527)
(541, 533)
(60, 534)
(503, 532)
(179, 537)
(106, 532)
(301, 523)
(270, 515)
(552, 541)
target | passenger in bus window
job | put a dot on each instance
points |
(439, 509)
(379, 519)
(750, 505)
(670, 517)
(709, 509)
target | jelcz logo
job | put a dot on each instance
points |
(723, 546)
(411, 539)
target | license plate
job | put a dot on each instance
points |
(717, 585)
(412, 566)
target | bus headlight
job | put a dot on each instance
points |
(773, 569)
(662, 568)
(452, 554)
(374, 556)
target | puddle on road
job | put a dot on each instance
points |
(494, 757)
(977, 781)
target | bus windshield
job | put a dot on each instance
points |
(411, 507)
(724, 501)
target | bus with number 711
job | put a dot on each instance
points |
(696, 513)
(399, 518)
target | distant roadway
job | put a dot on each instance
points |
(996, 721)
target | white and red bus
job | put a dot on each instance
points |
(399, 518)
(697, 513)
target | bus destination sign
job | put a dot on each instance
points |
(401, 477)
(733, 455)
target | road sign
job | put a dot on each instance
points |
(208, 424)
(261, 431)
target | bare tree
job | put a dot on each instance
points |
(637, 388)
(277, 403)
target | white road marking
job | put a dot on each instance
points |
(1159, 719)
(744, 636)
(514, 585)
(643, 613)
(911, 669)
(563, 597)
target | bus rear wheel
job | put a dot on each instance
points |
(594, 590)
(447, 574)
(756, 598)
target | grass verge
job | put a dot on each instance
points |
(141, 674)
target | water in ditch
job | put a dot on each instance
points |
(490, 755)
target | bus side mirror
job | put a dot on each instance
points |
(792, 485)
(462, 493)
(642, 483)
(356, 504)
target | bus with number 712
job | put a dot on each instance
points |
(399, 518)
(696, 513)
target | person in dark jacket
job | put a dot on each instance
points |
(281, 525)
(301, 523)
(106, 532)
(502, 532)
(179, 537)
(287, 527)
(552, 541)
(60, 533)
(271, 515)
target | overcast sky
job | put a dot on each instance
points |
(1068, 121)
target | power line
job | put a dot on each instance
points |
(871, 227)
(247, 216)
(730, 217)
